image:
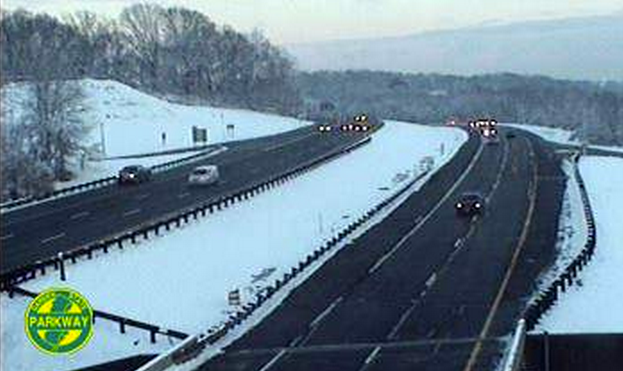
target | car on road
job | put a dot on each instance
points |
(134, 174)
(204, 175)
(470, 204)
(491, 135)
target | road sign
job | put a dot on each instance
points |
(233, 297)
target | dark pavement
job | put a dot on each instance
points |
(398, 297)
(41, 231)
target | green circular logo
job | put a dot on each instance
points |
(59, 321)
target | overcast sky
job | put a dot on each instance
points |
(296, 21)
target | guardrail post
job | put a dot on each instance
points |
(62, 266)
(152, 336)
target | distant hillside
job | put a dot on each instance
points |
(576, 48)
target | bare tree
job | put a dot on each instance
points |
(142, 25)
(54, 116)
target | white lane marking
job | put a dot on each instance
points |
(286, 143)
(55, 237)
(6, 236)
(314, 324)
(79, 215)
(131, 212)
(325, 312)
(394, 332)
(532, 194)
(143, 196)
(431, 280)
(458, 245)
(274, 360)
(295, 342)
(500, 173)
(419, 225)
(372, 355)
(182, 195)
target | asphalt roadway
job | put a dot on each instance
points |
(45, 229)
(424, 289)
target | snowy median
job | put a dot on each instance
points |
(181, 281)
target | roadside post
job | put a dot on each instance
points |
(61, 264)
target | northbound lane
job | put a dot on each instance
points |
(45, 229)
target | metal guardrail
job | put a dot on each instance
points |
(99, 183)
(123, 322)
(177, 355)
(512, 362)
(155, 228)
(548, 297)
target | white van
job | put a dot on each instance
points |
(204, 175)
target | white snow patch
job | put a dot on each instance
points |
(180, 281)
(595, 305)
(551, 134)
(572, 228)
(133, 122)
(106, 344)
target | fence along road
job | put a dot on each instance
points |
(43, 230)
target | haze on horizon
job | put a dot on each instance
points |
(304, 21)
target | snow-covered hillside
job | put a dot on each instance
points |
(594, 304)
(189, 271)
(134, 122)
(131, 122)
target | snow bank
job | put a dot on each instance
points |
(180, 281)
(555, 135)
(594, 305)
(572, 228)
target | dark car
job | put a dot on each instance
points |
(134, 174)
(470, 204)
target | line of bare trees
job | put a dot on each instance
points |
(593, 111)
(169, 50)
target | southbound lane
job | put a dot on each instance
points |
(421, 275)
(43, 230)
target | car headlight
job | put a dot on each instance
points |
(477, 205)
(459, 205)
